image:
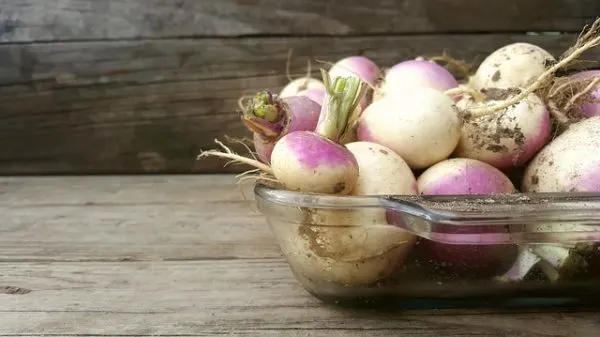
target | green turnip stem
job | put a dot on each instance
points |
(525, 261)
(263, 107)
(342, 98)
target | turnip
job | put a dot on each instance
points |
(506, 139)
(270, 118)
(461, 176)
(516, 65)
(569, 163)
(354, 247)
(408, 74)
(421, 124)
(590, 106)
(310, 161)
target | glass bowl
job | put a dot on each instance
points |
(402, 249)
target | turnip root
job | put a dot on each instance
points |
(516, 65)
(506, 139)
(408, 74)
(316, 162)
(354, 247)
(569, 163)
(460, 176)
(421, 124)
(270, 118)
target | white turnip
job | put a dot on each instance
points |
(461, 176)
(421, 124)
(516, 65)
(569, 163)
(352, 247)
(508, 138)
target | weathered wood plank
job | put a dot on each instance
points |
(208, 298)
(41, 20)
(149, 106)
(131, 218)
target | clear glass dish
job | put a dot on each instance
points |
(402, 249)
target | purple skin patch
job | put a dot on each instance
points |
(592, 108)
(474, 178)
(312, 150)
(432, 71)
(533, 143)
(263, 148)
(363, 133)
(304, 113)
(366, 69)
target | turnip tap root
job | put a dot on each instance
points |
(508, 139)
(421, 124)
(516, 65)
(316, 162)
(460, 176)
(270, 118)
(408, 74)
(353, 247)
(569, 163)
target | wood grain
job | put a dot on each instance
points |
(250, 298)
(41, 20)
(131, 219)
(150, 106)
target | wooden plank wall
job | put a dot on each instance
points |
(130, 86)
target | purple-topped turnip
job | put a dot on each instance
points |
(462, 176)
(411, 73)
(358, 246)
(270, 118)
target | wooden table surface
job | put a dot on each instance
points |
(186, 256)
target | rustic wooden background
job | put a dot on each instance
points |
(131, 86)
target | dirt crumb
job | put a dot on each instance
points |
(383, 151)
(339, 187)
(496, 76)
